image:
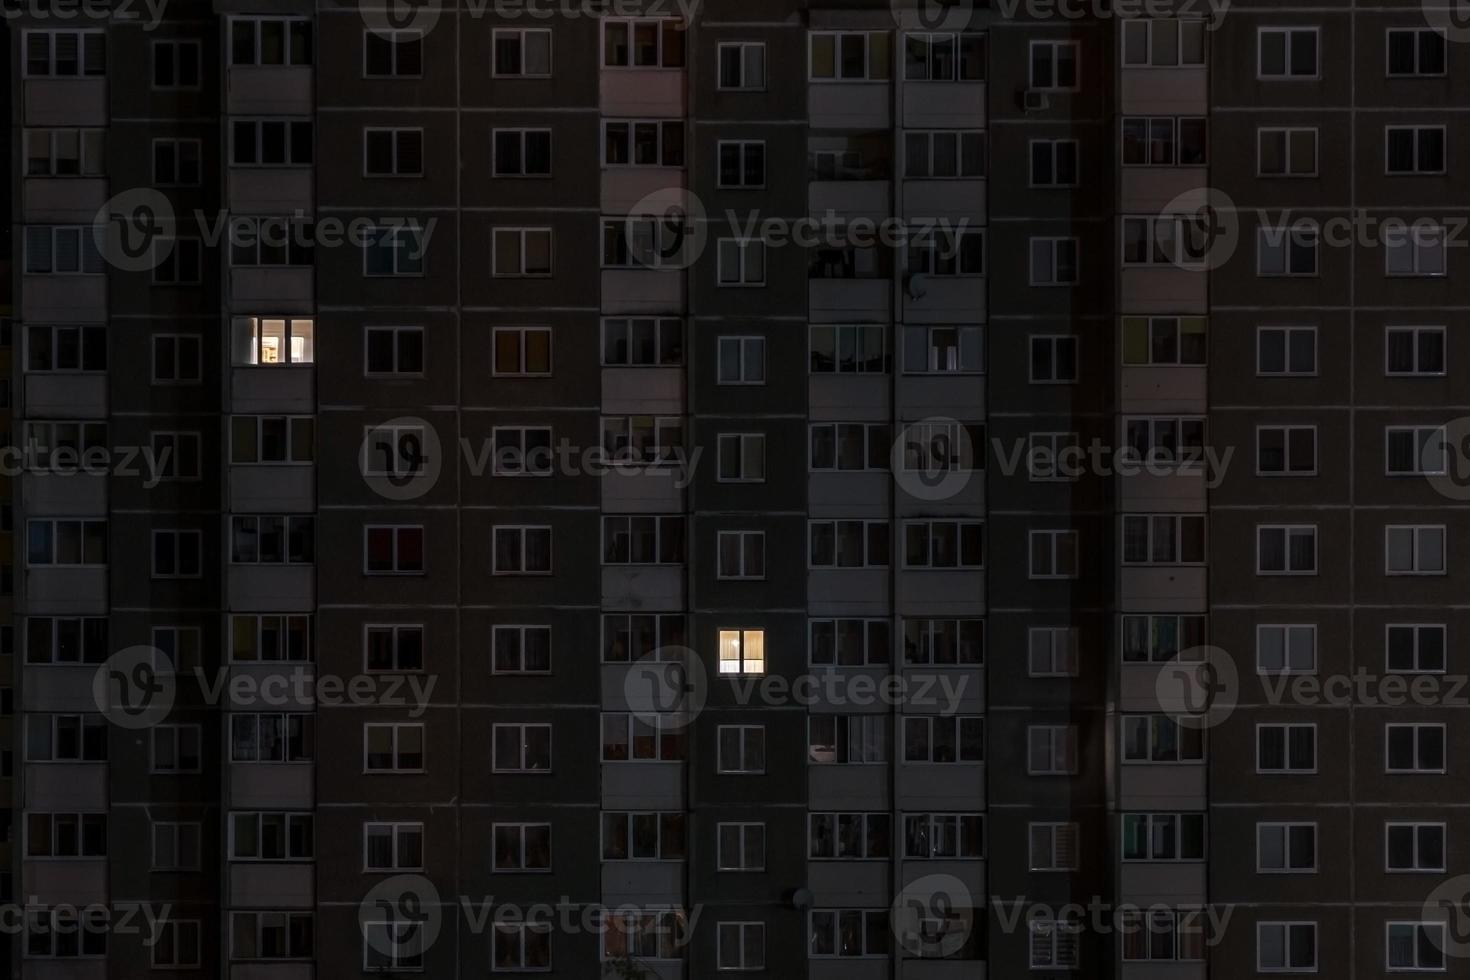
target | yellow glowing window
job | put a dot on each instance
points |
(742, 651)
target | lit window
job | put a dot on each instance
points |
(742, 651)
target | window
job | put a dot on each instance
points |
(742, 652)
(280, 440)
(268, 638)
(1052, 846)
(271, 242)
(1419, 253)
(740, 946)
(61, 251)
(392, 451)
(847, 739)
(522, 152)
(1413, 149)
(1414, 748)
(1415, 52)
(393, 350)
(272, 935)
(270, 41)
(1286, 549)
(643, 539)
(1160, 739)
(65, 54)
(1053, 359)
(1054, 66)
(942, 836)
(741, 262)
(72, 153)
(1053, 554)
(270, 143)
(1414, 351)
(844, 446)
(741, 749)
(66, 738)
(66, 542)
(1164, 141)
(393, 748)
(522, 748)
(943, 350)
(631, 637)
(849, 932)
(1413, 846)
(392, 846)
(1286, 151)
(1286, 53)
(645, 143)
(944, 642)
(66, 350)
(944, 154)
(1414, 549)
(520, 649)
(522, 846)
(742, 65)
(176, 359)
(1053, 163)
(522, 252)
(1171, 439)
(521, 450)
(392, 152)
(1286, 748)
(177, 554)
(519, 946)
(947, 252)
(1163, 43)
(1286, 648)
(175, 846)
(655, 43)
(1286, 946)
(392, 54)
(1287, 251)
(944, 57)
(631, 738)
(848, 836)
(1417, 946)
(643, 439)
(389, 250)
(274, 540)
(1054, 942)
(1051, 750)
(643, 836)
(1415, 450)
(1163, 539)
(1286, 351)
(66, 639)
(393, 648)
(943, 739)
(521, 53)
(176, 748)
(1173, 240)
(262, 341)
(1415, 648)
(1051, 651)
(740, 846)
(272, 836)
(1286, 848)
(62, 447)
(935, 448)
(522, 352)
(848, 56)
(393, 549)
(1053, 261)
(847, 350)
(742, 457)
(1158, 837)
(522, 550)
(272, 737)
(742, 163)
(740, 554)
(391, 943)
(944, 544)
(1286, 450)
(178, 261)
(741, 360)
(66, 835)
(1162, 935)
(65, 933)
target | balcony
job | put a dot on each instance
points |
(273, 389)
(272, 884)
(623, 187)
(1162, 389)
(954, 199)
(270, 190)
(944, 299)
(282, 289)
(851, 884)
(62, 200)
(643, 391)
(265, 489)
(647, 93)
(65, 494)
(267, 786)
(848, 591)
(942, 786)
(841, 787)
(944, 105)
(643, 291)
(850, 300)
(1181, 491)
(59, 689)
(845, 494)
(1162, 588)
(643, 587)
(650, 883)
(63, 299)
(1162, 787)
(272, 588)
(66, 102)
(850, 198)
(66, 786)
(1164, 92)
(942, 592)
(66, 590)
(850, 105)
(651, 490)
(65, 881)
(1146, 190)
(269, 90)
(66, 396)
(643, 786)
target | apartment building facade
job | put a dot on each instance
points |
(874, 655)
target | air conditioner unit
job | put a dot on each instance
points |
(1035, 101)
